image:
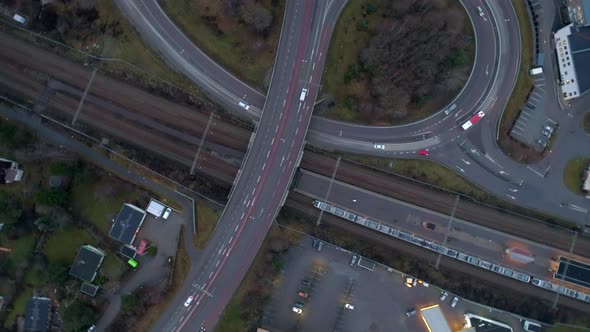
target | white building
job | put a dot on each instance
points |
(572, 45)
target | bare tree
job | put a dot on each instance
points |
(256, 16)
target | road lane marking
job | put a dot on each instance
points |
(217, 264)
(243, 213)
(230, 239)
(258, 179)
(272, 142)
(237, 226)
(267, 153)
(253, 190)
(210, 275)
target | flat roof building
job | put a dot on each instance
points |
(38, 315)
(434, 319)
(87, 263)
(483, 324)
(155, 208)
(573, 271)
(9, 171)
(127, 223)
(572, 45)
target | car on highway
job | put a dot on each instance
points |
(297, 310)
(411, 312)
(480, 11)
(454, 302)
(188, 301)
(166, 213)
(424, 153)
(379, 146)
(244, 105)
(443, 295)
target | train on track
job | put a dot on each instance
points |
(502, 270)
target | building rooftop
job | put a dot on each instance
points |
(155, 207)
(483, 324)
(127, 223)
(37, 316)
(87, 263)
(128, 251)
(89, 289)
(579, 11)
(434, 319)
(9, 171)
(580, 48)
(577, 272)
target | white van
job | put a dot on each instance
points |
(536, 71)
(303, 94)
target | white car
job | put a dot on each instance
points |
(244, 105)
(349, 306)
(480, 11)
(443, 296)
(379, 146)
(454, 302)
(297, 310)
(167, 213)
(188, 301)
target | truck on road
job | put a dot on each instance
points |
(303, 94)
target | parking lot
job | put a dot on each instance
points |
(379, 297)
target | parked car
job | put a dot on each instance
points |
(353, 261)
(166, 213)
(443, 295)
(315, 243)
(480, 11)
(297, 310)
(349, 306)
(379, 146)
(454, 302)
(303, 294)
(320, 246)
(411, 312)
(306, 282)
(188, 301)
(299, 305)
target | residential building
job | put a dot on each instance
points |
(38, 315)
(87, 263)
(127, 223)
(9, 171)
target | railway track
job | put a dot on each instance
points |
(26, 70)
(402, 189)
(303, 205)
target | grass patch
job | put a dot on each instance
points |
(112, 267)
(345, 47)
(587, 122)
(426, 171)
(524, 83)
(129, 46)
(573, 174)
(21, 248)
(564, 328)
(207, 219)
(98, 202)
(182, 266)
(226, 39)
(19, 307)
(63, 245)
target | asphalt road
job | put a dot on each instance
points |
(267, 170)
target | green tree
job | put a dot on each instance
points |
(53, 197)
(78, 317)
(54, 273)
(129, 302)
(57, 218)
(10, 209)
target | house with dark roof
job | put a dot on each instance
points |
(87, 263)
(38, 315)
(127, 223)
(9, 171)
